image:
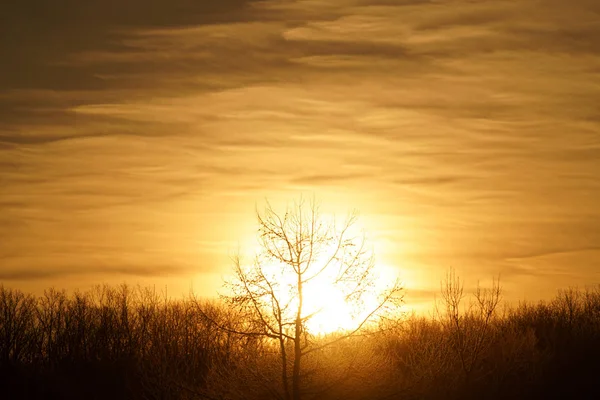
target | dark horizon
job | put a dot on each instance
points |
(133, 343)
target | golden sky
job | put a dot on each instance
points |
(137, 137)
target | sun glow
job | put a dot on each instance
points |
(325, 302)
(325, 307)
(326, 273)
(330, 309)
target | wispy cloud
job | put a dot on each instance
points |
(142, 126)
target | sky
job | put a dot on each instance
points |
(137, 138)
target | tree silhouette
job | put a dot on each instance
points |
(297, 248)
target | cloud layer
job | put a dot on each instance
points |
(137, 136)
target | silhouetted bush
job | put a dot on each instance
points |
(134, 343)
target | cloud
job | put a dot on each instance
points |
(38, 33)
(140, 125)
(324, 179)
(32, 274)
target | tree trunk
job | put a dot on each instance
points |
(297, 346)
(284, 366)
(296, 372)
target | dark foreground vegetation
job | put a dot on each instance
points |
(133, 343)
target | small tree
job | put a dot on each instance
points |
(297, 248)
(470, 331)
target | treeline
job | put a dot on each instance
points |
(134, 343)
(111, 342)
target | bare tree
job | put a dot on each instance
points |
(470, 331)
(297, 248)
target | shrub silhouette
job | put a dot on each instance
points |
(134, 343)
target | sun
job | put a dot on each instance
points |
(326, 305)
(314, 270)
(329, 311)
